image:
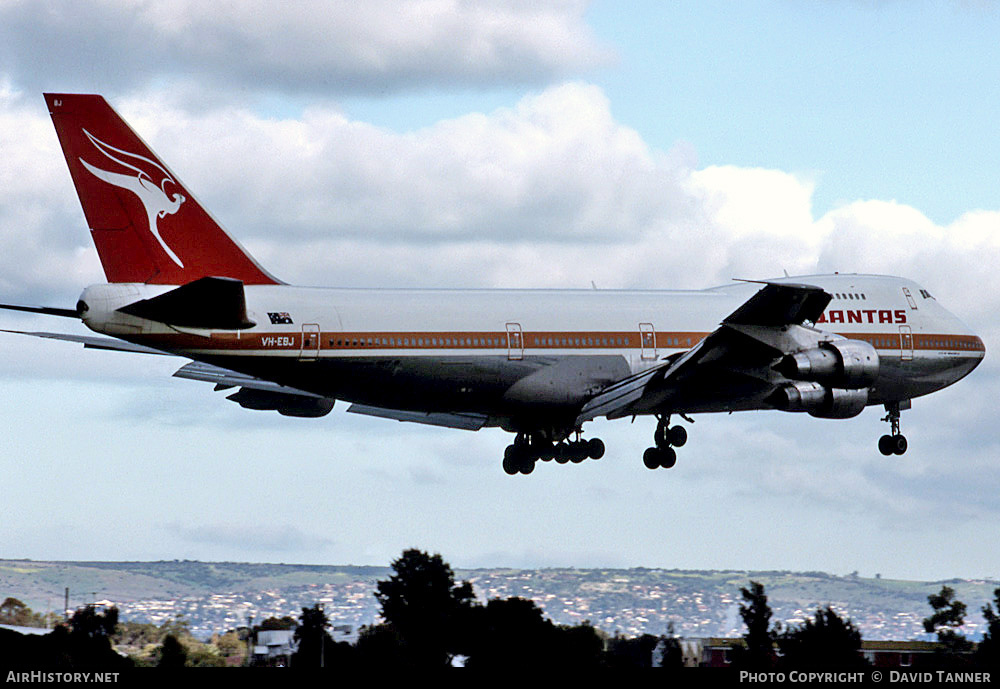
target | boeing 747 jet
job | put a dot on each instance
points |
(539, 364)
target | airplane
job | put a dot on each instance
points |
(536, 363)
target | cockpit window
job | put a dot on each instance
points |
(926, 295)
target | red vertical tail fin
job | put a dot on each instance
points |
(147, 226)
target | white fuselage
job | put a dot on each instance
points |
(467, 350)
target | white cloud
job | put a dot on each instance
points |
(314, 46)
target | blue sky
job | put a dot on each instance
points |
(542, 144)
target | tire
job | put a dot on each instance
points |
(668, 458)
(899, 444)
(678, 435)
(595, 448)
(651, 458)
(886, 445)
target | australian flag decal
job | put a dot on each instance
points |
(281, 318)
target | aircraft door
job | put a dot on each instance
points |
(515, 342)
(905, 343)
(647, 341)
(310, 341)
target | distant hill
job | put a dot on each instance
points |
(215, 596)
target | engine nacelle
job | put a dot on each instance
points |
(841, 363)
(284, 403)
(819, 401)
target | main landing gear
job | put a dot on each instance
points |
(666, 438)
(521, 455)
(895, 442)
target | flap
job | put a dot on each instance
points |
(465, 422)
(225, 378)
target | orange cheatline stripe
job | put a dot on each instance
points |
(502, 340)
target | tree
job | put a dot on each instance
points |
(947, 619)
(988, 652)
(756, 614)
(580, 646)
(510, 633)
(13, 611)
(312, 638)
(172, 653)
(425, 607)
(88, 623)
(826, 641)
(276, 623)
(672, 655)
(230, 646)
(379, 646)
(90, 638)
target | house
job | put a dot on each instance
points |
(274, 647)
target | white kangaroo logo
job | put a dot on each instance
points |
(154, 197)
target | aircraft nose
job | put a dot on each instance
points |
(979, 346)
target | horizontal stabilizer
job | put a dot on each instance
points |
(91, 342)
(465, 422)
(212, 303)
(47, 310)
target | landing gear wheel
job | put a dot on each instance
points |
(669, 436)
(899, 444)
(668, 457)
(659, 457)
(678, 435)
(651, 458)
(510, 464)
(595, 448)
(895, 442)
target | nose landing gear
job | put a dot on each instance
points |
(895, 442)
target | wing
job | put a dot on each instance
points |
(730, 369)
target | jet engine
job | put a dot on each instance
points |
(849, 364)
(284, 403)
(819, 400)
